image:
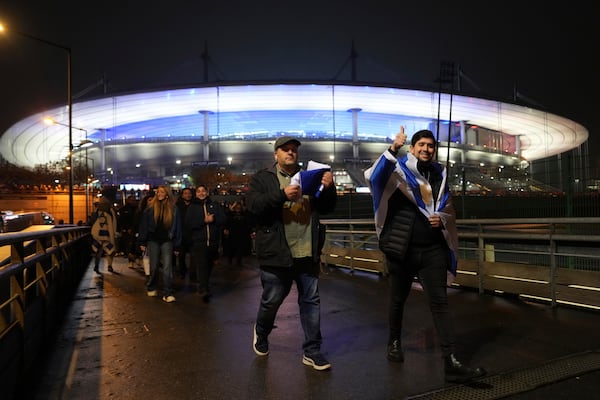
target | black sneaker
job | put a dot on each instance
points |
(317, 361)
(260, 344)
(395, 351)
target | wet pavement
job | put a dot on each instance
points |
(117, 343)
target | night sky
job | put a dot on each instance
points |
(548, 52)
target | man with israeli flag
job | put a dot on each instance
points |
(287, 204)
(415, 225)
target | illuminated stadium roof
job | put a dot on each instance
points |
(239, 121)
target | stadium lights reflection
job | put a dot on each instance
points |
(570, 303)
(512, 278)
(584, 287)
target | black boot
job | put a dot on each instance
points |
(458, 372)
(395, 351)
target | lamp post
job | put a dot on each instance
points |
(69, 105)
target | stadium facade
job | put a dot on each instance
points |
(163, 135)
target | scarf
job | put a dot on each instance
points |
(389, 173)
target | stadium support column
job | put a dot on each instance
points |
(205, 137)
(355, 142)
(102, 153)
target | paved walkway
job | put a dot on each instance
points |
(117, 343)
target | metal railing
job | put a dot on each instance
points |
(39, 272)
(554, 260)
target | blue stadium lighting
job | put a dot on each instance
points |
(259, 113)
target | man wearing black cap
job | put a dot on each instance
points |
(288, 247)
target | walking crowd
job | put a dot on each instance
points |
(171, 236)
(278, 223)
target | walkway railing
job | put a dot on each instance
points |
(39, 272)
(554, 260)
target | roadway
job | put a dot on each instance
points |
(117, 343)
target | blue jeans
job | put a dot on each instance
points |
(276, 283)
(163, 253)
(429, 265)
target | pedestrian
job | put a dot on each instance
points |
(237, 234)
(160, 233)
(183, 202)
(202, 227)
(142, 259)
(104, 233)
(415, 225)
(126, 224)
(289, 239)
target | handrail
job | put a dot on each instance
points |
(522, 256)
(39, 271)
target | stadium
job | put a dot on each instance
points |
(160, 136)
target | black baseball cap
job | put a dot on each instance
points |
(285, 140)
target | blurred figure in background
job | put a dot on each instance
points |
(143, 204)
(237, 234)
(127, 227)
(183, 202)
(104, 233)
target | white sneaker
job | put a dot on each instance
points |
(169, 299)
(152, 293)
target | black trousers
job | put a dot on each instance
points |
(429, 265)
(202, 259)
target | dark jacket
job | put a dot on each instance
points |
(148, 226)
(406, 226)
(182, 206)
(238, 241)
(265, 200)
(127, 217)
(195, 230)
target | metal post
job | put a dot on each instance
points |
(87, 182)
(70, 105)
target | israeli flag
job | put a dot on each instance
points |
(388, 174)
(310, 179)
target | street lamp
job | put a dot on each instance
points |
(69, 105)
